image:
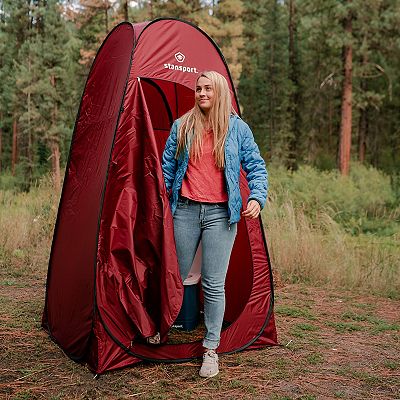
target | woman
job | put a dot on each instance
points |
(201, 166)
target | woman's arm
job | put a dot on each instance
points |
(169, 163)
(254, 166)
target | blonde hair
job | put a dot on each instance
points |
(193, 122)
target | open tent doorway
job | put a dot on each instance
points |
(167, 101)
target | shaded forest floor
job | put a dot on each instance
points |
(335, 345)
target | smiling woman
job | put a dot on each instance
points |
(205, 194)
(204, 94)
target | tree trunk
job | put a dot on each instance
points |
(54, 145)
(295, 96)
(14, 154)
(106, 16)
(151, 9)
(362, 134)
(55, 161)
(363, 120)
(272, 100)
(125, 8)
(330, 122)
(346, 117)
(1, 143)
(29, 171)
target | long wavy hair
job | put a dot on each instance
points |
(193, 123)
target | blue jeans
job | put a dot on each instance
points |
(207, 222)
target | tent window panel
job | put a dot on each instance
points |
(180, 98)
(185, 99)
(166, 101)
(160, 113)
(157, 104)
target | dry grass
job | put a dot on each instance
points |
(26, 226)
(320, 252)
(317, 251)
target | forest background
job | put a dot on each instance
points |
(318, 81)
(311, 75)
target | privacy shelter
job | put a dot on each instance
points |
(113, 276)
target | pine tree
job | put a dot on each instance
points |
(45, 89)
(289, 68)
(372, 80)
(322, 25)
(264, 87)
(15, 24)
(320, 44)
(94, 20)
(226, 27)
(347, 88)
(295, 92)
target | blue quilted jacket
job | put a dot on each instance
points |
(240, 149)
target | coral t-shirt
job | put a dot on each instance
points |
(204, 181)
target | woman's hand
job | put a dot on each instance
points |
(253, 209)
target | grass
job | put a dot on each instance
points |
(377, 324)
(383, 326)
(327, 255)
(307, 234)
(303, 330)
(391, 365)
(337, 301)
(324, 229)
(26, 229)
(343, 327)
(306, 327)
(315, 358)
(367, 378)
(33, 367)
(294, 312)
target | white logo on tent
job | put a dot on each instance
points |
(179, 57)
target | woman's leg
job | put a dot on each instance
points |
(187, 233)
(217, 242)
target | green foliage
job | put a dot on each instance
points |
(315, 358)
(289, 91)
(294, 312)
(292, 99)
(11, 182)
(325, 228)
(343, 327)
(222, 20)
(364, 202)
(264, 88)
(40, 89)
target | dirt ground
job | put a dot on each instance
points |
(335, 344)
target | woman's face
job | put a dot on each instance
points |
(204, 94)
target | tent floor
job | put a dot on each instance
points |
(179, 336)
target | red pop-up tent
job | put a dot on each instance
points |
(113, 274)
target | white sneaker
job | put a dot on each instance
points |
(209, 368)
